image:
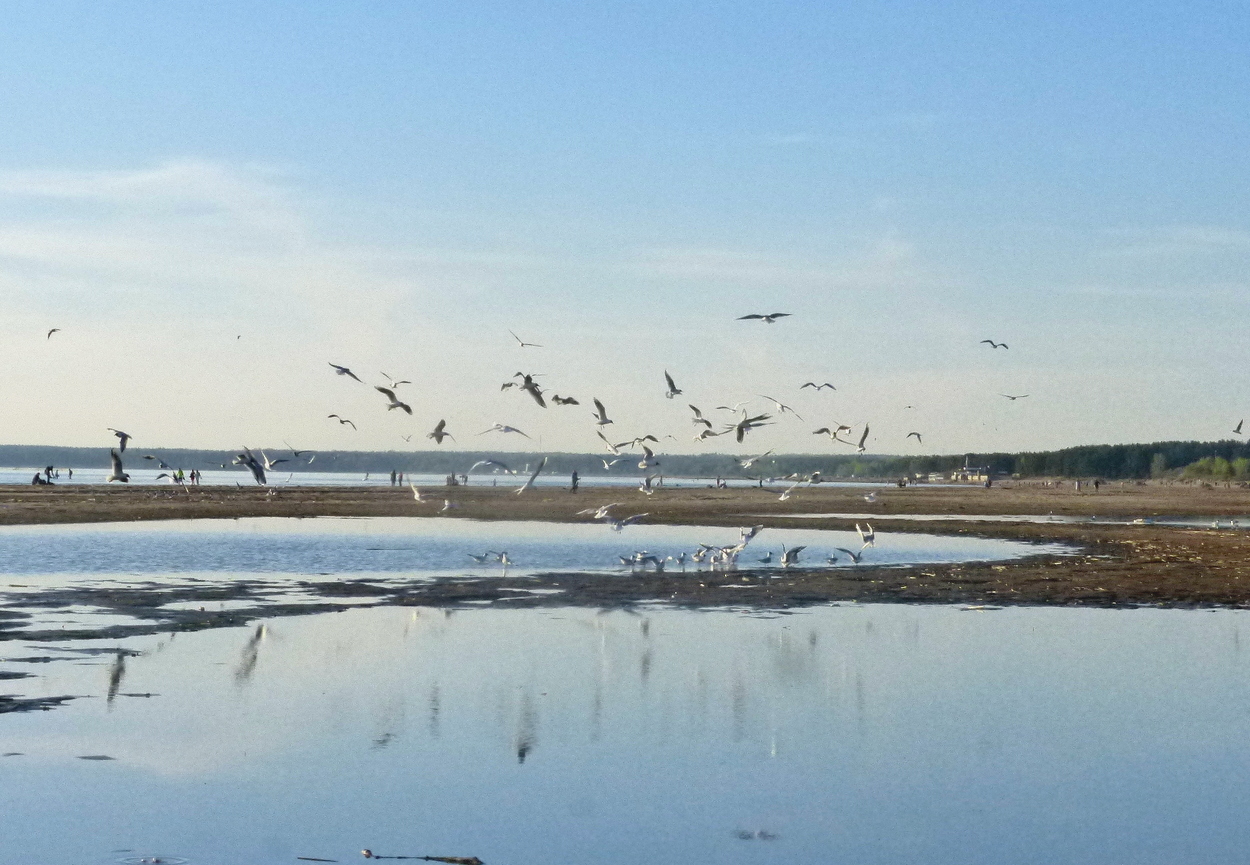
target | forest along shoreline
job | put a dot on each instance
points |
(1106, 565)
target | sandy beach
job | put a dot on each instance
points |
(1109, 564)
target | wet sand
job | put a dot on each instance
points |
(1111, 565)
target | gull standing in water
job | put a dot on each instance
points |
(118, 474)
(673, 390)
(125, 437)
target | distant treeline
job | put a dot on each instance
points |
(1107, 461)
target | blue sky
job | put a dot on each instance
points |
(214, 200)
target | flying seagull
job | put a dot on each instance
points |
(601, 414)
(523, 343)
(781, 408)
(440, 433)
(123, 437)
(744, 426)
(771, 318)
(392, 401)
(342, 420)
(529, 483)
(563, 400)
(530, 387)
(394, 382)
(747, 463)
(248, 459)
(791, 556)
(867, 538)
(118, 474)
(708, 433)
(1237, 429)
(416, 493)
(854, 556)
(496, 463)
(342, 370)
(54, 330)
(269, 464)
(813, 384)
(919, 440)
(1014, 398)
(673, 390)
(993, 344)
(832, 433)
(698, 417)
(503, 429)
(859, 448)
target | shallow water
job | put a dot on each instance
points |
(864, 734)
(425, 546)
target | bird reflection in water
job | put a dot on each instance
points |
(249, 656)
(435, 708)
(117, 672)
(527, 730)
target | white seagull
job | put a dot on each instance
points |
(529, 483)
(673, 390)
(125, 437)
(118, 474)
(601, 414)
(503, 429)
(392, 401)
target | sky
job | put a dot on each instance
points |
(215, 201)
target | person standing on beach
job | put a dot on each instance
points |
(574, 479)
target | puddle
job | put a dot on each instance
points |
(1036, 519)
(257, 547)
(666, 736)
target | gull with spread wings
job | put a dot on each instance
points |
(770, 318)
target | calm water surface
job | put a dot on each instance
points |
(857, 734)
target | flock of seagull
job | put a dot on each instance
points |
(739, 423)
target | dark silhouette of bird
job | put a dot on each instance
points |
(993, 344)
(342, 420)
(440, 433)
(813, 384)
(770, 318)
(54, 330)
(342, 370)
